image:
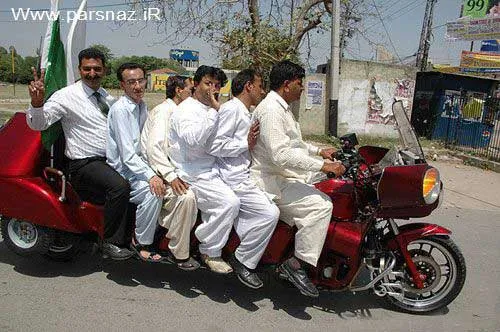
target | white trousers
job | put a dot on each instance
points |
(255, 223)
(148, 210)
(310, 210)
(178, 215)
(253, 215)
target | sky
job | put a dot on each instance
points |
(401, 34)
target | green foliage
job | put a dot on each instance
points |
(108, 55)
(22, 67)
(23, 74)
(148, 62)
(260, 48)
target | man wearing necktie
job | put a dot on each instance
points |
(82, 108)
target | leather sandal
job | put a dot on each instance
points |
(137, 248)
(188, 264)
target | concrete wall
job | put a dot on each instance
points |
(367, 90)
(310, 111)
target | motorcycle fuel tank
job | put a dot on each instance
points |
(342, 194)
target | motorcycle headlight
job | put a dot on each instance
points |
(431, 186)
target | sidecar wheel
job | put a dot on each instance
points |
(440, 260)
(25, 238)
(64, 248)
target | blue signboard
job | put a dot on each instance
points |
(490, 46)
(184, 55)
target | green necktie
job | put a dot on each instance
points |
(101, 103)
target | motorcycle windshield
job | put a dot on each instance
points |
(408, 138)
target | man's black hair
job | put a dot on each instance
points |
(284, 71)
(203, 71)
(128, 65)
(175, 82)
(91, 53)
(213, 72)
(220, 75)
(242, 78)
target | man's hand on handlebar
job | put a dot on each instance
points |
(334, 167)
(327, 153)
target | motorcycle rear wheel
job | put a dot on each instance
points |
(443, 264)
(25, 238)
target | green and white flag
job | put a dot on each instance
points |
(75, 43)
(54, 63)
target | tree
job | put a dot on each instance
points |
(148, 62)
(275, 35)
(108, 55)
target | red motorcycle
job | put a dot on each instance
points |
(415, 266)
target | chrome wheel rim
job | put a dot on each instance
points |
(23, 234)
(432, 260)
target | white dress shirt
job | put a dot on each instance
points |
(280, 152)
(154, 139)
(230, 143)
(191, 125)
(83, 123)
(123, 149)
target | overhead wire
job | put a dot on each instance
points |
(387, 32)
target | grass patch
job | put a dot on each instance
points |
(20, 102)
(7, 91)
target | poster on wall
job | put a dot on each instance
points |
(383, 94)
(314, 94)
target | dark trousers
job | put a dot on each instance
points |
(96, 182)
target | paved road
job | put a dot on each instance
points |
(92, 294)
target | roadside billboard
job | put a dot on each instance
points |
(480, 20)
(479, 62)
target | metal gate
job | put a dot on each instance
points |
(469, 121)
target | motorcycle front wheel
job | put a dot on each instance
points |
(441, 262)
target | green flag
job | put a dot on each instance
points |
(55, 74)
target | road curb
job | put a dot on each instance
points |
(479, 162)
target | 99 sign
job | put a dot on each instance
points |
(475, 8)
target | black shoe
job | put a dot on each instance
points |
(248, 278)
(115, 252)
(299, 278)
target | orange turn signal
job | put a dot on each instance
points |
(431, 185)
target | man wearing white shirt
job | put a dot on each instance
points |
(82, 109)
(284, 165)
(234, 138)
(179, 211)
(191, 126)
(123, 152)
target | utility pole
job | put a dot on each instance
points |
(333, 106)
(425, 36)
(13, 54)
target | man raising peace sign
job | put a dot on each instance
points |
(82, 108)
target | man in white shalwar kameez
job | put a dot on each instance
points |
(191, 126)
(283, 165)
(235, 136)
(179, 210)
